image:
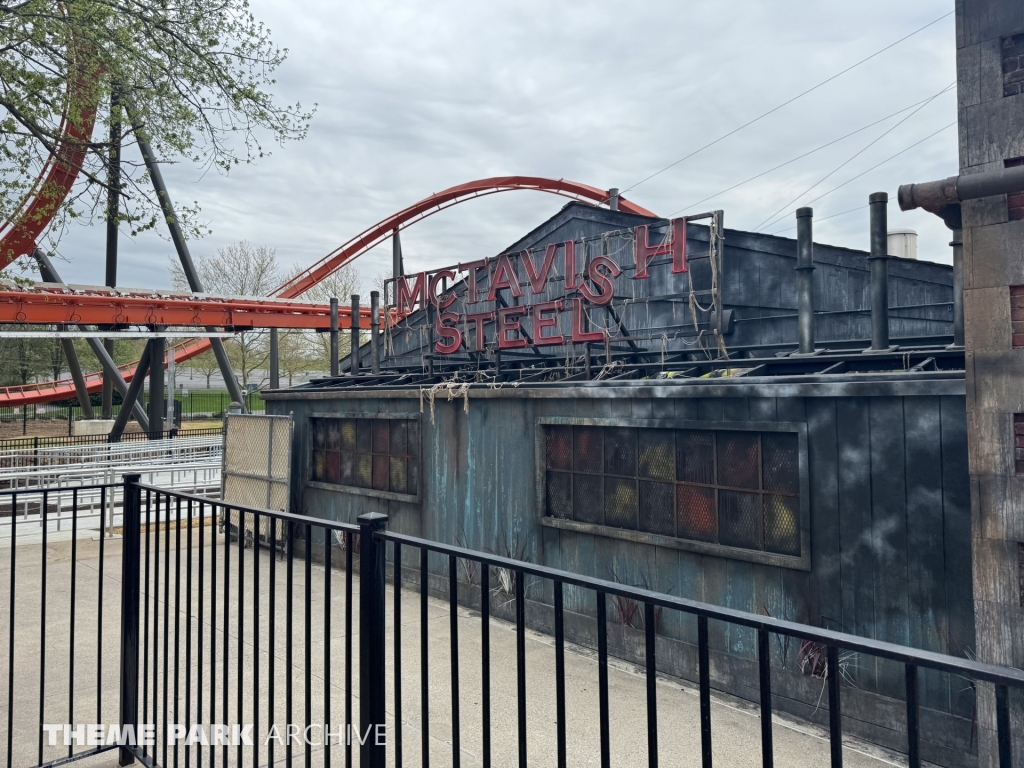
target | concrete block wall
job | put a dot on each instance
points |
(990, 63)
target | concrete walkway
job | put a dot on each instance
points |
(735, 724)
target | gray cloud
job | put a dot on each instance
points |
(416, 97)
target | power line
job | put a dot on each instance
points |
(869, 170)
(774, 217)
(823, 218)
(800, 157)
(786, 103)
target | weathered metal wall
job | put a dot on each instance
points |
(890, 524)
(758, 284)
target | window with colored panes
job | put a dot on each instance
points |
(733, 488)
(377, 454)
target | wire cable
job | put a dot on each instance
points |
(869, 170)
(799, 157)
(776, 216)
(786, 103)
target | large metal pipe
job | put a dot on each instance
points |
(879, 263)
(805, 279)
(375, 331)
(275, 375)
(334, 336)
(935, 196)
(397, 267)
(354, 347)
(958, 287)
(156, 386)
(613, 199)
(178, 238)
(131, 397)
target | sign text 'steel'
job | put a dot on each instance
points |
(595, 287)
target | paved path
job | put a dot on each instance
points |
(735, 724)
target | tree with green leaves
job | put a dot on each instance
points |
(241, 269)
(194, 76)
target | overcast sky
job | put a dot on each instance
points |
(415, 97)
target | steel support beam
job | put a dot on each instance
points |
(81, 390)
(275, 376)
(49, 274)
(131, 397)
(113, 211)
(178, 237)
(156, 385)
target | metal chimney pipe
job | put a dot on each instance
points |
(613, 199)
(958, 287)
(354, 323)
(397, 267)
(805, 279)
(879, 262)
(375, 331)
(334, 336)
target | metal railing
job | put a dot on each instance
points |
(32, 444)
(207, 612)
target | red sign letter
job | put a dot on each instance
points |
(644, 252)
(505, 325)
(540, 323)
(437, 300)
(472, 267)
(570, 264)
(448, 332)
(504, 277)
(478, 319)
(601, 280)
(407, 300)
(577, 325)
(539, 279)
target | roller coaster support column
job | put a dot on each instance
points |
(156, 386)
(186, 262)
(49, 275)
(113, 209)
(275, 375)
(131, 397)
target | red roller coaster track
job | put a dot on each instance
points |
(58, 176)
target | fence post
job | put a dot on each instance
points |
(371, 641)
(131, 514)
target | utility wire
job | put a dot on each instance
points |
(823, 218)
(786, 103)
(869, 170)
(775, 216)
(799, 157)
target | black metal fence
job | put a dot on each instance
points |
(213, 595)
